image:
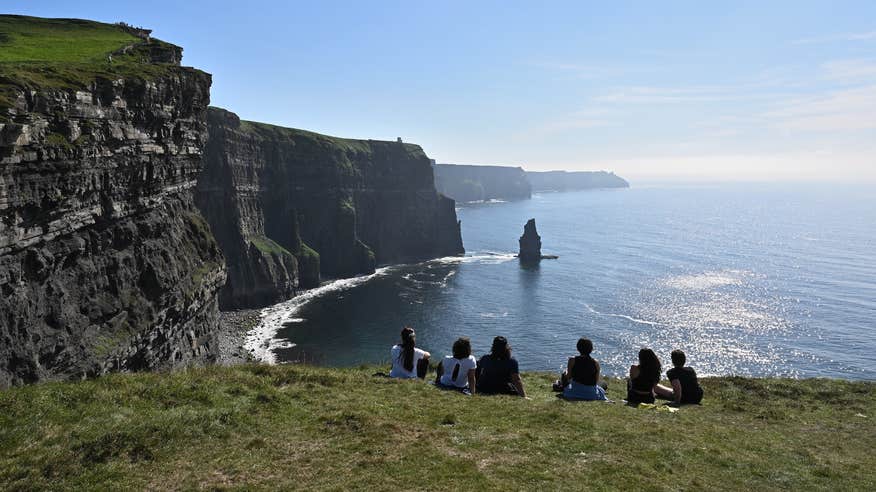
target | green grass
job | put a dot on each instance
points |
(301, 427)
(280, 133)
(66, 54)
(32, 39)
(274, 132)
(268, 245)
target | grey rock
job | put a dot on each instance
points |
(105, 262)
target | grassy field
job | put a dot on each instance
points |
(64, 54)
(303, 427)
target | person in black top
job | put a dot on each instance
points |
(645, 378)
(580, 380)
(685, 387)
(498, 372)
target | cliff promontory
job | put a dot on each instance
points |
(105, 262)
(469, 183)
(574, 180)
(289, 205)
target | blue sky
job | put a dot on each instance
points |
(651, 90)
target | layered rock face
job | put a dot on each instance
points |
(105, 262)
(574, 180)
(288, 206)
(468, 183)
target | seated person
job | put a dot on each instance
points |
(498, 373)
(644, 380)
(408, 361)
(685, 387)
(580, 380)
(457, 371)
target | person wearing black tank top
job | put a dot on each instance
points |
(643, 384)
(580, 380)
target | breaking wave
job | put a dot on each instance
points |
(261, 341)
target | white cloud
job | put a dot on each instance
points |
(851, 36)
(840, 110)
(854, 70)
(590, 71)
(762, 89)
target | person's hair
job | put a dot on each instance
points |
(649, 365)
(461, 350)
(585, 346)
(409, 341)
(678, 358)
(500, 348)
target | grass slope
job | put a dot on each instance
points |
(305, 427)
(65, 54)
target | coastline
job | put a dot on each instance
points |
(231, 337)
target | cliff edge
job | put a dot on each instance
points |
(105, 263)
(472, 183)
(289, 206)
(574, 180)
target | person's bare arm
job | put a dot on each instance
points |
(598, 373)
(634, 372)
(676, 390)
(439, 372)
(566, 376)
(663, 391)
(518, 384)
(472, 381)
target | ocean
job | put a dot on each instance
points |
(747, 279)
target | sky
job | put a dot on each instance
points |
(671, 90)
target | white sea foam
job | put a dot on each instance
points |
(479, 257)
(261, 341)
(494, 315)
(623, 316)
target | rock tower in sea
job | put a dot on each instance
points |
(530, 243)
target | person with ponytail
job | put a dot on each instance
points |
(458, 371)
(408, 362)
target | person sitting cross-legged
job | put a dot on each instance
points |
(581, 379)
(458, 371)
(408, 361)
(644, 383)
(685, 387)
(498, 372)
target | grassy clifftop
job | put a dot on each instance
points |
(69, 54)
(305, 427)
(279, 133)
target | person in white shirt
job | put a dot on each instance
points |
(458, 371)
(408, 362)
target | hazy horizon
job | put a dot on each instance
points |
(685, 91)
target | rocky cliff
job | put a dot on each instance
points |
(574, 180)
(288, 205)
(468, 183)
(105, 262)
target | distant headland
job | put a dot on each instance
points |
(473, 183)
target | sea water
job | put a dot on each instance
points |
(758, 280)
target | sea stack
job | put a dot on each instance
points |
(530, 243)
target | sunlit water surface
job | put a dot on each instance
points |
(747, 279)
